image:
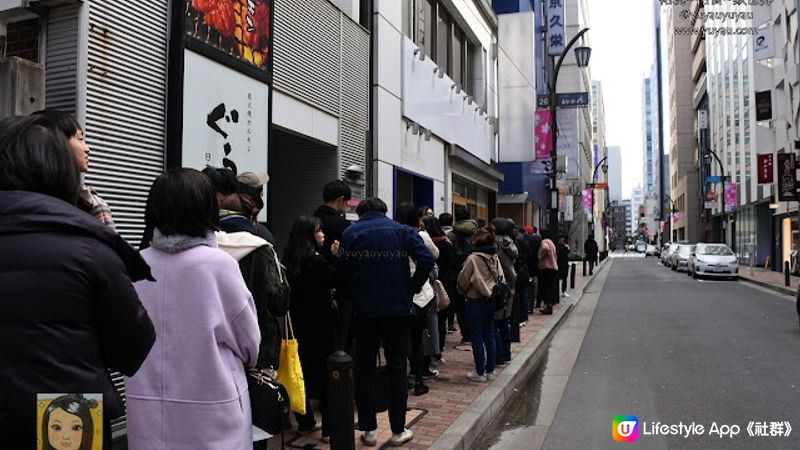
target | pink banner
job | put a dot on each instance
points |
(661, 226)
(676, 216)
(587, 202)
(730, 197)
(544, 142)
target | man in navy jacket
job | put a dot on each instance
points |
(376, 252)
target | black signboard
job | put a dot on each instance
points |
(787, 178)
(764, 105)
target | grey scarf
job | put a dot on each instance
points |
(176, 243)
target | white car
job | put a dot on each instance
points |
(713, 261)
(652, 250)
(641, 247)
(679, 259)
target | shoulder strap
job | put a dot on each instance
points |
(496, 277)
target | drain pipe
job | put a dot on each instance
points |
(368, 19)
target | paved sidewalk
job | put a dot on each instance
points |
(451, 393)
(769, 279)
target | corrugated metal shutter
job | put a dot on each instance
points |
(61, 59)
(306, 52)
(126, 111)
(354, 119)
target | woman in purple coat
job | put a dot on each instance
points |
(191, 392)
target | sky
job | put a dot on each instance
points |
(614, 31)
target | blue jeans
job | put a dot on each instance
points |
(480, 317)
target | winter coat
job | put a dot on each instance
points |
(446, 260)
(424, 297)
(333, 225)
(267, 281)
(477, 279)
(461, 237)
(562, 257)
(535, 243)
(375, 251)
(68, 311)
(314, 319)
(522, 265)
(590, 249)
(191, 392)
(547, 255)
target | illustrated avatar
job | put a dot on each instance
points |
(67, 423)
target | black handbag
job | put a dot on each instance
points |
(269, 401)
(381, 378)
(501, 292)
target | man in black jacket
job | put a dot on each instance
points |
(336, 194)
(590, 250)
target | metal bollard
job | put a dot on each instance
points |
(584, 266)
(340, 401)
(572, 274)
(786, 273)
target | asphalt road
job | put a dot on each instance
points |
(669, 349)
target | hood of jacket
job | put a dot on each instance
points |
(469, 226)
(504, 241)
(239, 244)
(31, 212)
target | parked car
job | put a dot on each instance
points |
(713, 260)
(667, 253)
(679, 259)
(652, 250)
(641, 247)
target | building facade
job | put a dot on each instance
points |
(601, 166)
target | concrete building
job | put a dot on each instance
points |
(620, 217)
(599, 152)
(650, 125)
(683, 170)
(614, 173)
(636, 210)
(523, 194)
(434, 93)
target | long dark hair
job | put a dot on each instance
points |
(36, 157)
(407, 214)
(302, 244)
(432, 227)
(77, 405)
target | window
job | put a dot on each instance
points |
(457, 56)
(425, 25)
(443, 22)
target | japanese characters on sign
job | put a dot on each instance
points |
(765, 168)
(556, 36)
(787, 178)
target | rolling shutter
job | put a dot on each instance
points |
(61, 59)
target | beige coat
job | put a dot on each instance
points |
(475, 280)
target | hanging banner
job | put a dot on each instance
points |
(544, 141)
(569, 208)
(763, 44)
(730, 196)
(661, 225)
(556, 38)
(567, 144)
(765, 168)
(587, 202)
(763, 105)
(787, 178)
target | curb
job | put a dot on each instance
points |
(780, 289)
(466, 429)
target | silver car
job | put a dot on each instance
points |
(679, 259)
(713, 261)
(667, 253)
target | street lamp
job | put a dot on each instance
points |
(672, 211)
(594, 174)
(707, 156)
(582, 55)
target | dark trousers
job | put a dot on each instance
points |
(502, 339)
(458, 302)
(548, 286)
(393, 334)
(563, 282)
(417, 357)
(444, 316)
(591, 260)
(524, 301)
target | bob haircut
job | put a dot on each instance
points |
(34, 157)
(77, 405)
(63, 122)
(183, 201)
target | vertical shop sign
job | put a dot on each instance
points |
(787, 177)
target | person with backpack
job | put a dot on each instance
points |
(461, 237)
(476, 281)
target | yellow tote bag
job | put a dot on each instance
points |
(290, 373)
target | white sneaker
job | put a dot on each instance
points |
(566, 295)
(475, 377)
(370, 438)
(491, 376)
(399, 439)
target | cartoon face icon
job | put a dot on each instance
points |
(65, 430)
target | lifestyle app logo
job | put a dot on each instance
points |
(625, 428)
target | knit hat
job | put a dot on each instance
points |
(253, 180)
(528, 229)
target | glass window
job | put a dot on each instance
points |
(457, 56)
(443, 39)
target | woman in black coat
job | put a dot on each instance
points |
(448, 271)
(562, 257)
(312, 278)
(69, 311)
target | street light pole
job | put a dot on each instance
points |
(594, 177)
(722, 197)
(671, 212)
(554, 130)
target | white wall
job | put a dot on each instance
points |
(614, 174)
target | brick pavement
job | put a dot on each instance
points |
(451, 393)
(768, 278)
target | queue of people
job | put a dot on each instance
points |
(201, 302)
